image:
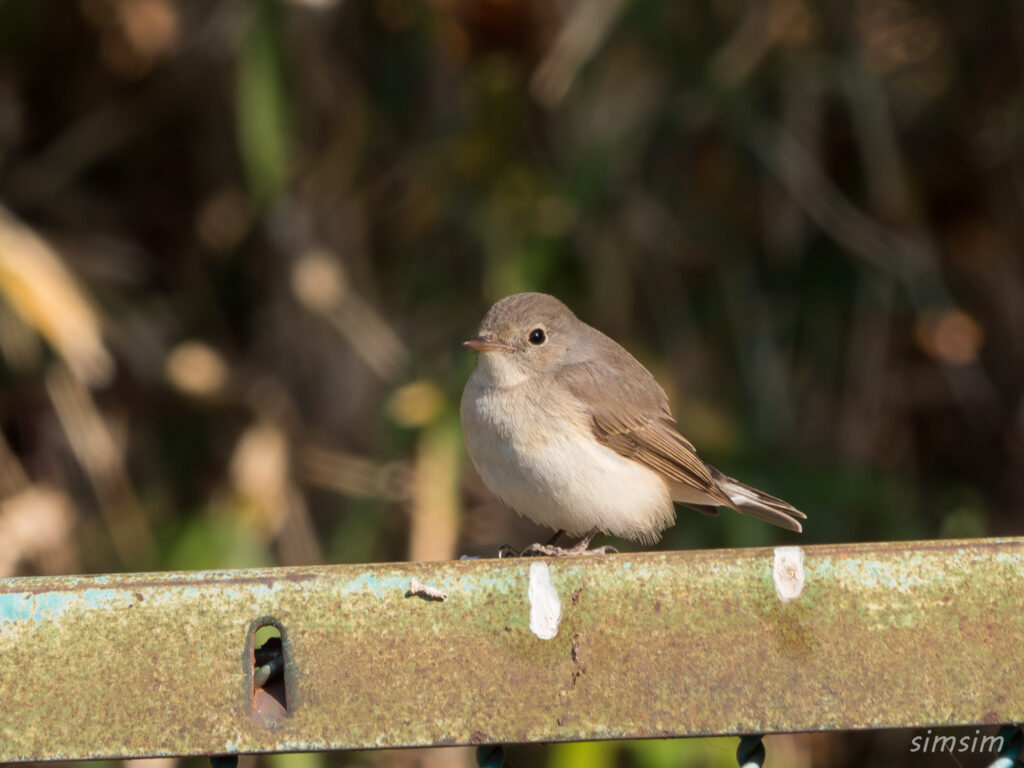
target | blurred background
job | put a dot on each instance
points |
(241, 242)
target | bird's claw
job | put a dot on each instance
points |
(549, 550)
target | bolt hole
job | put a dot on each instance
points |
(269, 691)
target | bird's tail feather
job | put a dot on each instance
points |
(759, 504)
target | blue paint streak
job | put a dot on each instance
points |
(21, 606)
(51, 606)
(368, 582)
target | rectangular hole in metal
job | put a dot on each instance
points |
(269, 694)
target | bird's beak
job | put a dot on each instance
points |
(484, 344)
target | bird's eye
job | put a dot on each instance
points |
(538, 337)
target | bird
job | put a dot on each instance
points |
(572, 432)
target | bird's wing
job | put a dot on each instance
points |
(630, 414)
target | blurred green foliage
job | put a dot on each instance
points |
(263, 112)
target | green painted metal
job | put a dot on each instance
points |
(647, 645)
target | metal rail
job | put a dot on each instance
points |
(499, 651)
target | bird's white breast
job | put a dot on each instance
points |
(535, 451)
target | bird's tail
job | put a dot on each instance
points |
(759, 504)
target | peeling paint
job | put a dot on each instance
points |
(545, 607)
(788, 573)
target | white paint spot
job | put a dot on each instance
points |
(545, 607)
(788, 573)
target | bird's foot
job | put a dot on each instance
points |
(577, 550)
(581, 548)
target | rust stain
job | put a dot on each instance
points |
(578, 667)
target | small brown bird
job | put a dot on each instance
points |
(568, 429)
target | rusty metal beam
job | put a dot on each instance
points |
(638, 645)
